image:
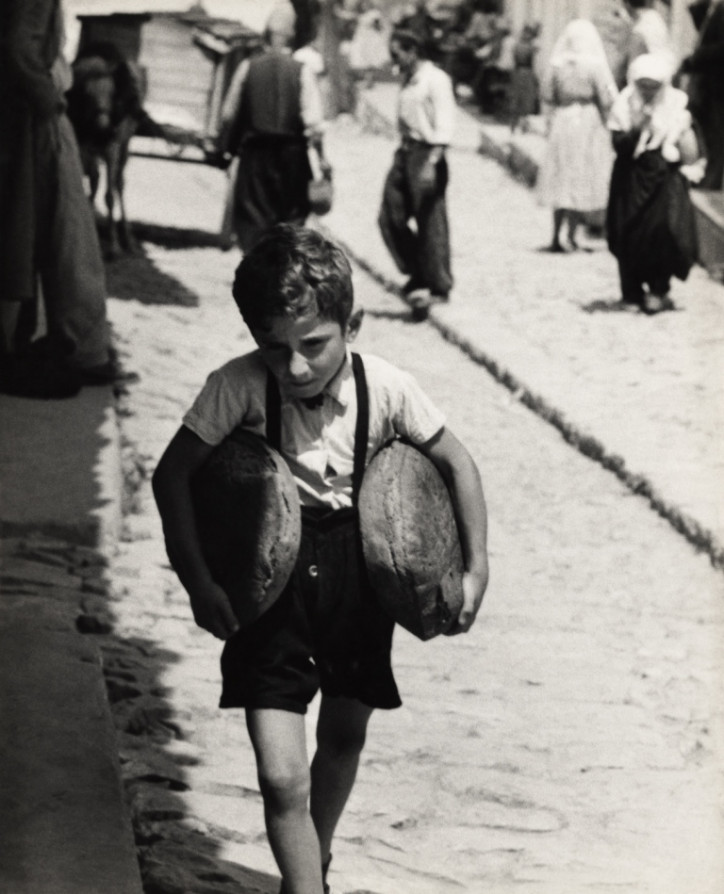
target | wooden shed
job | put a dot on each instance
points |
(188, 59)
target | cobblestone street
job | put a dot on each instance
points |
(573, 740)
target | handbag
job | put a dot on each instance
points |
(320, 189)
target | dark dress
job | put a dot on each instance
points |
(524, 82)
(47, 229)
(650, 220)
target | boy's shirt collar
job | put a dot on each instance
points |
(339, 387)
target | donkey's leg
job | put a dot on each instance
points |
(127, 237)
(111, 160)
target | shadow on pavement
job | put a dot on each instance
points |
(615, 307)
(406, 316)
(175, 237)
(176, 852)
(135, 277)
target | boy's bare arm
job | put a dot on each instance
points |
(462, 477)
(172, 490)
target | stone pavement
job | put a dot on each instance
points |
(546, 750)
(642, 395)
(573, 740)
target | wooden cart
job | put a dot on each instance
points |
(187, 60)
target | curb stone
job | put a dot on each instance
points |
(64, 826)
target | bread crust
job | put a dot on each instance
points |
(249, 521)
(410, 540)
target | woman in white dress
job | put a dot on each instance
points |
(577, 92)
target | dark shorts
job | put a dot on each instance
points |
(326, 630)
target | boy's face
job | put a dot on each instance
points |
(304, 353)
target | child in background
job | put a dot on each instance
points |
(326, 630)
(524, 81)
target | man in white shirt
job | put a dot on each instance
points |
(415, 186)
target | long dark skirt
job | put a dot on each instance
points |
(650, 219)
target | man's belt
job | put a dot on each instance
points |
(409, 143)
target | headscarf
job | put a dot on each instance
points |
(652, 67)
(664, 119)
(580, 41)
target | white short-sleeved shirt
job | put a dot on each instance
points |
(426, 106)
(318, 444)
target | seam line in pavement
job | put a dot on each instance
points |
(701, 538)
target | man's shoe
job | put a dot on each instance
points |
(412, 285)
(653, 304)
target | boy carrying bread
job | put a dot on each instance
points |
(305, 392)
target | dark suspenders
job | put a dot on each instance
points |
(362, 428)
(361, 434)
(273, 413)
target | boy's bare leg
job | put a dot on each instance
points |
(278, 738)
(341, 731)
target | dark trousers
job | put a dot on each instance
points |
(423, 253)
(632, 286)
(326, 630)
(271, 187)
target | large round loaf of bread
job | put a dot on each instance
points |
(249, 521)
(410, 540)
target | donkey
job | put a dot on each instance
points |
(105, 105)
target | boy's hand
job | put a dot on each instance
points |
(212, 610)
(473, 591)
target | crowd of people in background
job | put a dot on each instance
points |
(625, 151)
(624, 143)
(625, 140)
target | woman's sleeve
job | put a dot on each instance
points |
(606, 90)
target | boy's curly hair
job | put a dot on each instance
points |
(286, 270)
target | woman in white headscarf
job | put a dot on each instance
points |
(577, 92)
(650, 221)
